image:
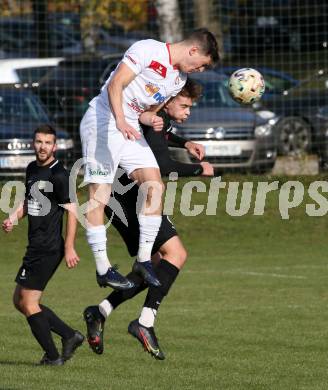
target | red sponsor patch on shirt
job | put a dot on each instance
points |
(158, 68)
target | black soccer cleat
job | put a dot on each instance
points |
(146, 271)
(112, 278)
(45, 361)
(71, 344)
(147, 338)
(95, 328)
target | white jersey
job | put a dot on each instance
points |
(155, 82)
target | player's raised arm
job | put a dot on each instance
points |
(19, 213)
(122, 77)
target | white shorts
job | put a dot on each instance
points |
(104, 148)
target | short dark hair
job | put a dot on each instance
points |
(207, 42)
(192, 90)
(45, 129)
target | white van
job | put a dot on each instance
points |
(26, 70)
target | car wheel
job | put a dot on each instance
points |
(294, 136)
(263, 169)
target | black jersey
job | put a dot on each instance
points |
(159, 144)
(47, 187)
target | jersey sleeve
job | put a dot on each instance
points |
(175, 140)
(138, 55)
(60, 181)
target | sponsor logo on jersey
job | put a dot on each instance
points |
(135, 106)
(177, 80)
(42, 184)
(33, 207)
(98, 172)
(153, 90)
(158, 68)
(131, 59)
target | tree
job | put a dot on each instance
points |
(207, 15)
(40, 11)
(170, 25)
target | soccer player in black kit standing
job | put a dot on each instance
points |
(46, 198)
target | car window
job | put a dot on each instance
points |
(108, 71)
(215, 94)
(17, 106)
(87, 71)
(277, 84)
(33, 75)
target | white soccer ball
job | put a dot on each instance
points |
(246, 85)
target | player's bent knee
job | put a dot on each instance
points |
(177, 257)
(183, 255)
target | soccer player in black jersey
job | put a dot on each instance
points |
(168, 252)
(46, 197)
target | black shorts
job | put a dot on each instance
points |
(37, 269)
(130, 233)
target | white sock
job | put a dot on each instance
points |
(105, 308)
(147, 317)
(149, 226)
(96, 237)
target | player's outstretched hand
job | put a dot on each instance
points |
(196, 150)
(157, 123)
(71, 257)
(128, 131)
(208, 169)
(7, 225)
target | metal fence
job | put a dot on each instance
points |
(55, 55)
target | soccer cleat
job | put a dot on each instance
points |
(71, 344)
(95, 328)
(146, 271)
(112, 278)
(45, 361)
(147, 338)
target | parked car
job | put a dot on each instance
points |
(279, 26)
(303, 121)
(234, 137)
(68, 88)
(18, 38)
(20, 113)
(26, 70)
(276, 82)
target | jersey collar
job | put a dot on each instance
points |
(170, 58)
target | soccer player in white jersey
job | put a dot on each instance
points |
(149, 74)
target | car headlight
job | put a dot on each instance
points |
(63, 144)
(266, 129)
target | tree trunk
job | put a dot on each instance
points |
(170, 25)
(40, 11)
(206, 15)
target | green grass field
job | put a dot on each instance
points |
(249, 310)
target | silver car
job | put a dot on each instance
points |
(235, 137)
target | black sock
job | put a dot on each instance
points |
(166, 274)
(56, 324)
(41, 331)
(118, 297)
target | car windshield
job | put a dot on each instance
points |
(17, 106)
(277, 84)
(215, 94)
(32, 75)
(86, 71)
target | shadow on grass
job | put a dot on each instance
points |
(16, 363)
